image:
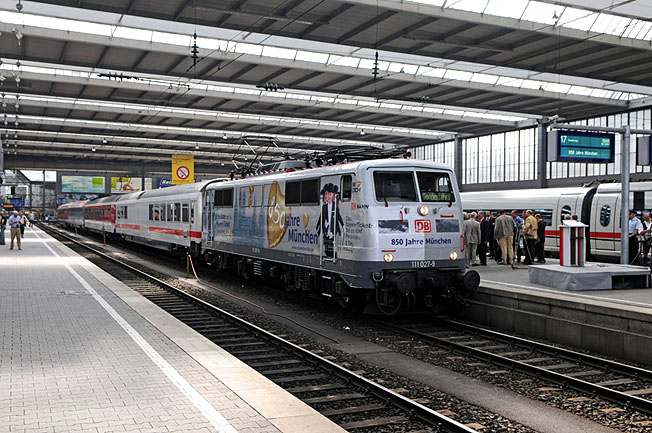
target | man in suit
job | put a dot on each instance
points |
(485, 233)
(472, 235)
(330, 221)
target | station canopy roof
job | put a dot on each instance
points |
(97, 82)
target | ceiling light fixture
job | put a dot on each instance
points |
(362, 132)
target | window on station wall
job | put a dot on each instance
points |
(485, 160)
(527, 154)
(498, 158)
(511, 156)
(470, 160)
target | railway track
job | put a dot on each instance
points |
(348, 399)
(620, 383)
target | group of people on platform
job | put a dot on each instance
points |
(503, 236)
(640, 239)
(17, 221)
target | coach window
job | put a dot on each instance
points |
(345, 186)
(151, 212)
(605, 215)
(184, 212)
(177, 212)
(566, 210)
(170, 210)
(156, 212)
(125, 216)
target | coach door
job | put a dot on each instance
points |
(330, 224)
(604, 223)
(567, 205)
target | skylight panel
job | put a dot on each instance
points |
(366, 64)
(131, 33)
(351, 62)
(208, 43)
(280, 53)
(252, 49)
(645, 31)
(538, 12)
(468, 5)
(510, 81)
(509, 9)
(578, 19)
(309, 56)
(452, 74)
(402, 68)
(618, 26)
(557, 87)
(435, 72)
(484, 78)
(601, 24)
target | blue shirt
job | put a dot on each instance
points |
(15, 221)
(635, 224)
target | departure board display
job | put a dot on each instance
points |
(580, 146)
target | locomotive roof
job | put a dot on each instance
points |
(337, 169)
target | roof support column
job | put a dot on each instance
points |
(542, 173)
(457, 167)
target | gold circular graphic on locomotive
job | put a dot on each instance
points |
(277, 214)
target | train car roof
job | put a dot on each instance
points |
(334, 170)
(617, 187)
(103, 200)
(73, 204)
(174, 190)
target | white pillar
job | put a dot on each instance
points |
(624, 197)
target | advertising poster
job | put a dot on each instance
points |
(122, 185)
(183, 169)
(89, 184)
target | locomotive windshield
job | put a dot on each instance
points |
(435, 187)
(394, 186)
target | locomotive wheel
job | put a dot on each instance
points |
(388, 300)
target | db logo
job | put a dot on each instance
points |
(422, 226)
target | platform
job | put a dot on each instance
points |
(614, 322)
(593, 276)
(80, 351)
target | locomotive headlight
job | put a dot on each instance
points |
(453, 255)
(423, 210)
(388, 257)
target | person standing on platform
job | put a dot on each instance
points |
(635, 227)
(485, 228)
(541, 239)
(31, 218)
(15, 222)
(472, 234)
(516, 228)
(3, 225)
(505, 234)
(492, 239)
(529, 231)
(645, 237)
(24, 222)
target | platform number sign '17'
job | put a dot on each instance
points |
(277, 214)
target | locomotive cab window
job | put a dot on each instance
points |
(394, 186)
(435, 187)
(346, 185)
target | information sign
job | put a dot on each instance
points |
(580, 146)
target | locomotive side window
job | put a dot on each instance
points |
(310, 192)
(435, 187)
(566, 210)
(184, 212)
(394, 186)
(605, 215)
(345, 186)
(223, 197)
(293, 193)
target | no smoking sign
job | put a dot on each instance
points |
(183, 172)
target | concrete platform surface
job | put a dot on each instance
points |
(80, 351)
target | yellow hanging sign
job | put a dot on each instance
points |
(183, 169)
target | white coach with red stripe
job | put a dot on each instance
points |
(572, 241)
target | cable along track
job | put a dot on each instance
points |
(348, 399)
(611, 380)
